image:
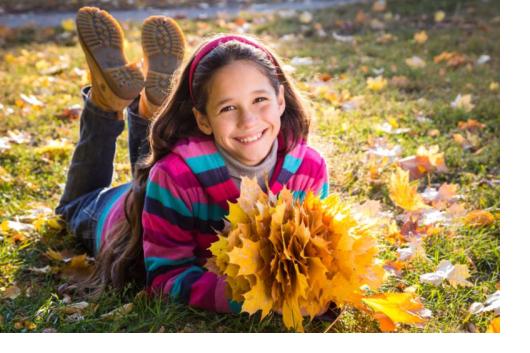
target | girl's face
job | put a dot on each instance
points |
(243, 112)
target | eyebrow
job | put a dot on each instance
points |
(223, 101)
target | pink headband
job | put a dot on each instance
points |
(208, 47)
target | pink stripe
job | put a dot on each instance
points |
(299, 182)
(203, 291)
(165, 281)
(115, 217)
(198, 149)
(172, 231)
(221, 301)
(223, 192)
(172, 253)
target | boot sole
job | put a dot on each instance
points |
(164, 46)
(101, 39)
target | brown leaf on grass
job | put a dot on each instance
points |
(385, 38)
(451, 59)
(118, 313)
(11, 292)
(479, 218)
(471, 124)
(19, 325)
(425, 161)
(78, 269)
(400, 81)
(71, 113)
(75, 308)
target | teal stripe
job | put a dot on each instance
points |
(324, 192)
(291, 163)
(152, 263)
(177, 285)
(208, 212)
(235, 307)
(205, 162)
(106, 211)
(299, 195)
(163, 195)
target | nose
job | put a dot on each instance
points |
(247, 119)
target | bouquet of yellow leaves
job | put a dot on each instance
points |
(283, 255)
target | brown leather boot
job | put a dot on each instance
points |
(115, 81)
(164, 47)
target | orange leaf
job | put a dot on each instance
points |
(479, 218)
(470, 124)
(495, 325)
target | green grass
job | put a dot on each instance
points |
(470, 28)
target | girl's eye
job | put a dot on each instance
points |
(227, 108)
(260, 99)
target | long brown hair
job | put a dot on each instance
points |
(121, 258)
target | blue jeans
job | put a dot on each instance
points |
(87, 188)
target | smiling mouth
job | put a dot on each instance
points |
(252, 138)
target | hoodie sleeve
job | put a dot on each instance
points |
(169, 243)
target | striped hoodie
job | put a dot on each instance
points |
(185, 203)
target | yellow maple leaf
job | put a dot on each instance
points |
(403, 193)
(247, 257)
(399, 307)
(258, 298)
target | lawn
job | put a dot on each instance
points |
(413, 79)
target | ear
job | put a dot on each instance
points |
(202, 122)
(281, 99)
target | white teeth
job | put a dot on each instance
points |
(251, 139)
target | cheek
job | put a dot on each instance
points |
(272, 113)
(222, 129)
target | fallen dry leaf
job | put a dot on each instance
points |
(495, 325)
(420, 37)
(403, 308)
(455, 274)
(479, 218)
(376, 84)
(415, 62)
(471, 124)
(75, 308)
(452, 59)
(403, 193)
(11, 292)
(118, 313)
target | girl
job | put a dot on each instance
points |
(232, 112)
